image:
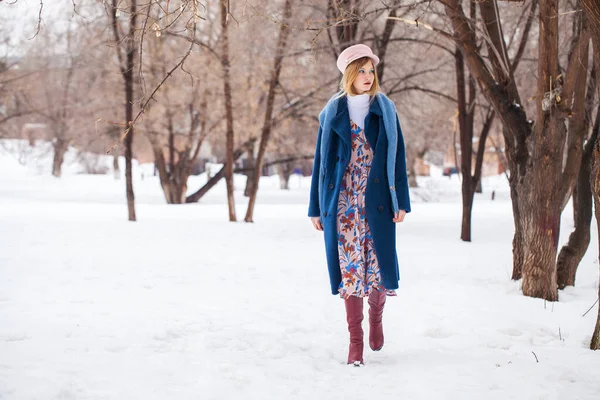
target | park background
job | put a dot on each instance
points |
(140, 259)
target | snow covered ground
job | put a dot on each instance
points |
(185, 305)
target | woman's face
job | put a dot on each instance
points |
(365, 78)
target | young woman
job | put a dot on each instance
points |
(359, 191)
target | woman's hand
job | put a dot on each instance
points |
(316, 221)
(399, 217)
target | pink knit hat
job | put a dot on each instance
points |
(354, 53)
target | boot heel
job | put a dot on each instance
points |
(354, 317)
(376, 304)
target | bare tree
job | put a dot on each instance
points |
(57, 100)
(186, 129)
(284, 31)
(180, 120)
(471, 177)
(228, 109)
(127, 49)
(540, 186)
(466, 125)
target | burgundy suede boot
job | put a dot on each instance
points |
(354, 316)
(376, 303)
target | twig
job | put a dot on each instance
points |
(584, 314)
(39, 24)
(536, 359)
(424, 25)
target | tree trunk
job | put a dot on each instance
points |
(467, 207)
(383, 42)
(412, 177)
(411, 155)
(465, 127)
(284, 31)
(129, 86)
(251, 174)
(228, 111)
(173, 180)
(547, 186)
(116, 168)
(539, 261)
(285, 171)
(471, 180)
(595, 183)
(129, 167)
(60, 148)
(571, 254)
(576, 205)
(592, 8)
(517, 243)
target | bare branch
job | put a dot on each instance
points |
(524, 38)
(118, 39)
(425, 25)
(39, 23)
(424, 90)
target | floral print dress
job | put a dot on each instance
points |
(358, 262)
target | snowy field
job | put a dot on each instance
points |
(185, 305)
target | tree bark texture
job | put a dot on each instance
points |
(592, 9)
(129, 87)
(251, 174)
(549, 185)
(589, 105)
(173, 179)
(60, 148)
(228, 111)
(465, 127)
(284, 31)
(571, 254)
(595, 183)
(541, 211)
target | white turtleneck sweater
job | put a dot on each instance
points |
(358, 106)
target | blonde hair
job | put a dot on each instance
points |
(350, 74)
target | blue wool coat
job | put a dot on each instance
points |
(324, 203)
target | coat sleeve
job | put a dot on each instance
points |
(314, 210)
(401, 183)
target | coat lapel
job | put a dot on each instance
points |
(341, 122)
